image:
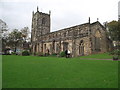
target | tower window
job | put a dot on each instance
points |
(43, 21)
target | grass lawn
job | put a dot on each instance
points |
(99, 56)
(53, 72)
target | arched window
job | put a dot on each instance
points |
(50, 48)
(97, 41)
(43, 21)
(35, 48)
(53, 46)
(65, 46)
(57, 48)
(81, 48)
(97, 44)
(44, 48)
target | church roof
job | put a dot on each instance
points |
(97, 22)
(72, 27)
(84, 24)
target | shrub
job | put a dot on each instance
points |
(111, 53)
(25, 53)
(34, 53)
(115, 52)
(13, 53)
(40, 54)
(53, 55)
(62, 54)
(30, 53)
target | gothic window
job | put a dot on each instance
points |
(44, 47)
(65, 46)
(97, 41)
(97, 44)
(75, 33)
(81, 35)
(57, 48)
(50, 48)
(43, 21)
(64, 34)
(38, 47)
(53, 46)
(71, 32)
(49, 36)
(35, 48)
(81, 48)
(68, 33)
(58, 34)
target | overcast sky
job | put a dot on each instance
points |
(64, 13)
(119, 8)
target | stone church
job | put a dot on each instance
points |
(84, 39)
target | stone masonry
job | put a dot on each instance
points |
(84, 39)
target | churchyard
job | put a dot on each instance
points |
(59, 72)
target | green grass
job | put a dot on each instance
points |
(53, 72)
(99, 56)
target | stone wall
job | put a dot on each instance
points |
(81, 39)
(98, 36)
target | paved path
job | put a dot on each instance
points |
(96, 59)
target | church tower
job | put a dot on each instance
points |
(40, 25)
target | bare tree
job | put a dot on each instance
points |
(3, 26)
(25, 33)
(3, 35)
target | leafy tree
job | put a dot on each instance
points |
(3, 35)
(15, 39)
(12, 39)
(25, 33)
(114, 30)
(26, 39)
(4, 41)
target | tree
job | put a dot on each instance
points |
(3, 35)
(12, 39)
(26, 39)
(114, 30)
(3, 26)
(25, 33)
(15, 39)
(4, 41)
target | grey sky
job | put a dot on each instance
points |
(64, 13)
(119, 8)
